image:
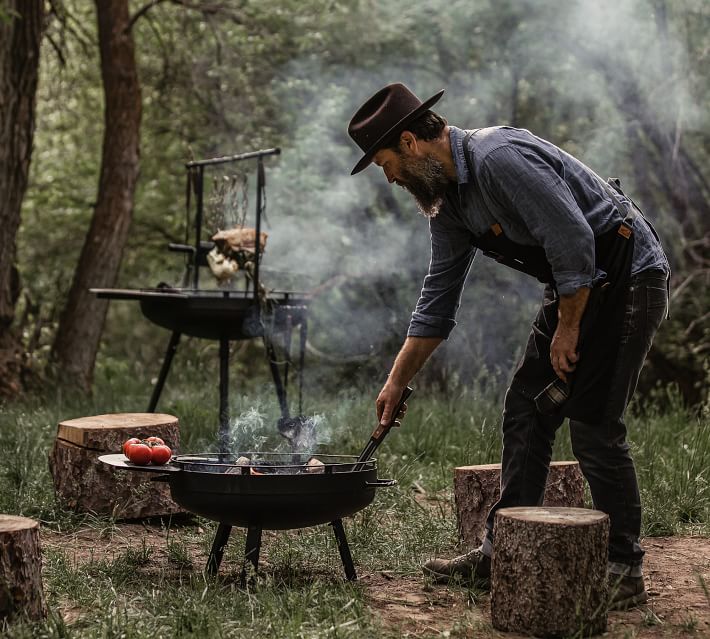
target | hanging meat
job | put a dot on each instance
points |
(234, 250)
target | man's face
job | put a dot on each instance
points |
(417, 171)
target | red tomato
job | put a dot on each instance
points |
(140, 454)
(128, 442)
(161, 454)
(153, 440)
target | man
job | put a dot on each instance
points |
(535, 208)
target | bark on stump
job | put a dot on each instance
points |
(84, 484)
(477, 489)
(20, 569)
(549, 571)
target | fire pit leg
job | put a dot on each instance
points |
(164, 369)
(344, 550)
(251, 552)
(220, 541)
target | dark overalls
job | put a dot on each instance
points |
(620, 320)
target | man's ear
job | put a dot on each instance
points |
(408, 141)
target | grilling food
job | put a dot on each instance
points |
(241, 461)
(139, 454)
(128, 442)
(238, 239)
(315, 466)
(150, 450)
(234, 250)
(160, 454)
(222, 267)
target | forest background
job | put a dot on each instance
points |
(93, 180)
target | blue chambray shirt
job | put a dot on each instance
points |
(541, 196)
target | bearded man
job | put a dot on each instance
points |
(535, 208)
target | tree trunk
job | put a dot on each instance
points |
(549, 571)
(84, 484)
(82, 321)
(20, 37)
(20, 569)
(477, 489)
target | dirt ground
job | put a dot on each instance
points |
(678, 605)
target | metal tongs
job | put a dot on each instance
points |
(381, 432)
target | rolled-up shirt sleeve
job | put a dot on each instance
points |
(451, 256)
(528, 185)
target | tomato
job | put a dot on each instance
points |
(140, 454)
(153, 440)
(161, 454)
(128, 442)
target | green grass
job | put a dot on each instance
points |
(149, 590)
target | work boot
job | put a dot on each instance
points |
(473, 568)
(626, 592)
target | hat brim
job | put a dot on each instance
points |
(366, 159)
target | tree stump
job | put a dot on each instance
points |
(549, 571)
(477, 488)
(20, 569)
(84, 484)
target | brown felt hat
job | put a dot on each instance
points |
(382, 116)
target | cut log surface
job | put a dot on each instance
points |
(108, 432)
(84, 484)
(20, 569)
(549, 571)
(477, 489)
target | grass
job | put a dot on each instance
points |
(157, 589)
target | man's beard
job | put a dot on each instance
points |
(426, 180)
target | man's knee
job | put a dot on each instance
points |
(521, 418)
(599, 441)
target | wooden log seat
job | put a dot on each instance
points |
(549, 571)
(477, 488)
(84, 484)
(21, 591)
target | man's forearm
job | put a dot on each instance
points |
(414, 353)
(571, 308)
(411, 358)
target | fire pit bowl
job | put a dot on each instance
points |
(283, 495)
(211, 314)
(270, 491)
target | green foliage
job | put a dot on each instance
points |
(618, 84)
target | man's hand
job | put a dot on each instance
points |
(563, 349)
(387, 401)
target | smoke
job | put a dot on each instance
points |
(247, 431)
(327, 224)
(253, 430)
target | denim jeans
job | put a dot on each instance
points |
(601, 448)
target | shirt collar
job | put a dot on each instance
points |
(456, 137)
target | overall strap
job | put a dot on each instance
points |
(613, 188)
